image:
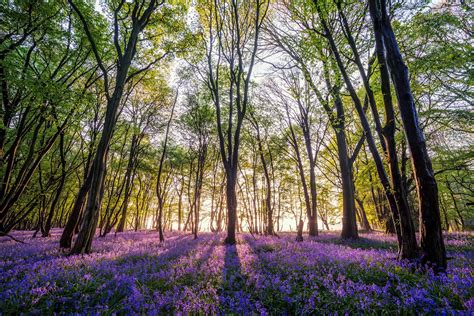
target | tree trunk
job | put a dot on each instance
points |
(349, 225)
(431, 234)
(299, 234)
(268, 192)
(59, 189)
(91, 214)
(363, 216)
(455, 203)
(90, 218)
(313, 215)
(180, 203)
(73, 220)
(161, 191)
(409, 245)
(160, 220)
(367, 130)
(231, 206)
(128, 182)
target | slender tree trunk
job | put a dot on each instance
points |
(445, 214)
(455, 203)
(180, 203)
(160, 190)
(73, 220)
(160, 220)
(128, 182)
(363, 216)
(59, 189)
(71, 226)
(349, 225)
(268, 192)
(91, 214)
(313, 215)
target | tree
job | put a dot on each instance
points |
(162, 186)
(268, 192)
(303, 52)
(198, 120)
(37, 85)
(401, 216)
(125, 43)
(141, 111)
(231, 40)
(432, 242)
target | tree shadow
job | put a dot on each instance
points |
(233, 298)
(259, 250)
(232, 271)
(361, 243)
(124, 281)
(211, 245)
(181, 246)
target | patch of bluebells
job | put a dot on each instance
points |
(132, 273)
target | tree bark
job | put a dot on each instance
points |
(349, 225)
(409, 244)
(363, 216)
(268, 191)
(59, 189)
(231, 208)
(128, 182)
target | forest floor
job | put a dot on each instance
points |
(133, 273)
